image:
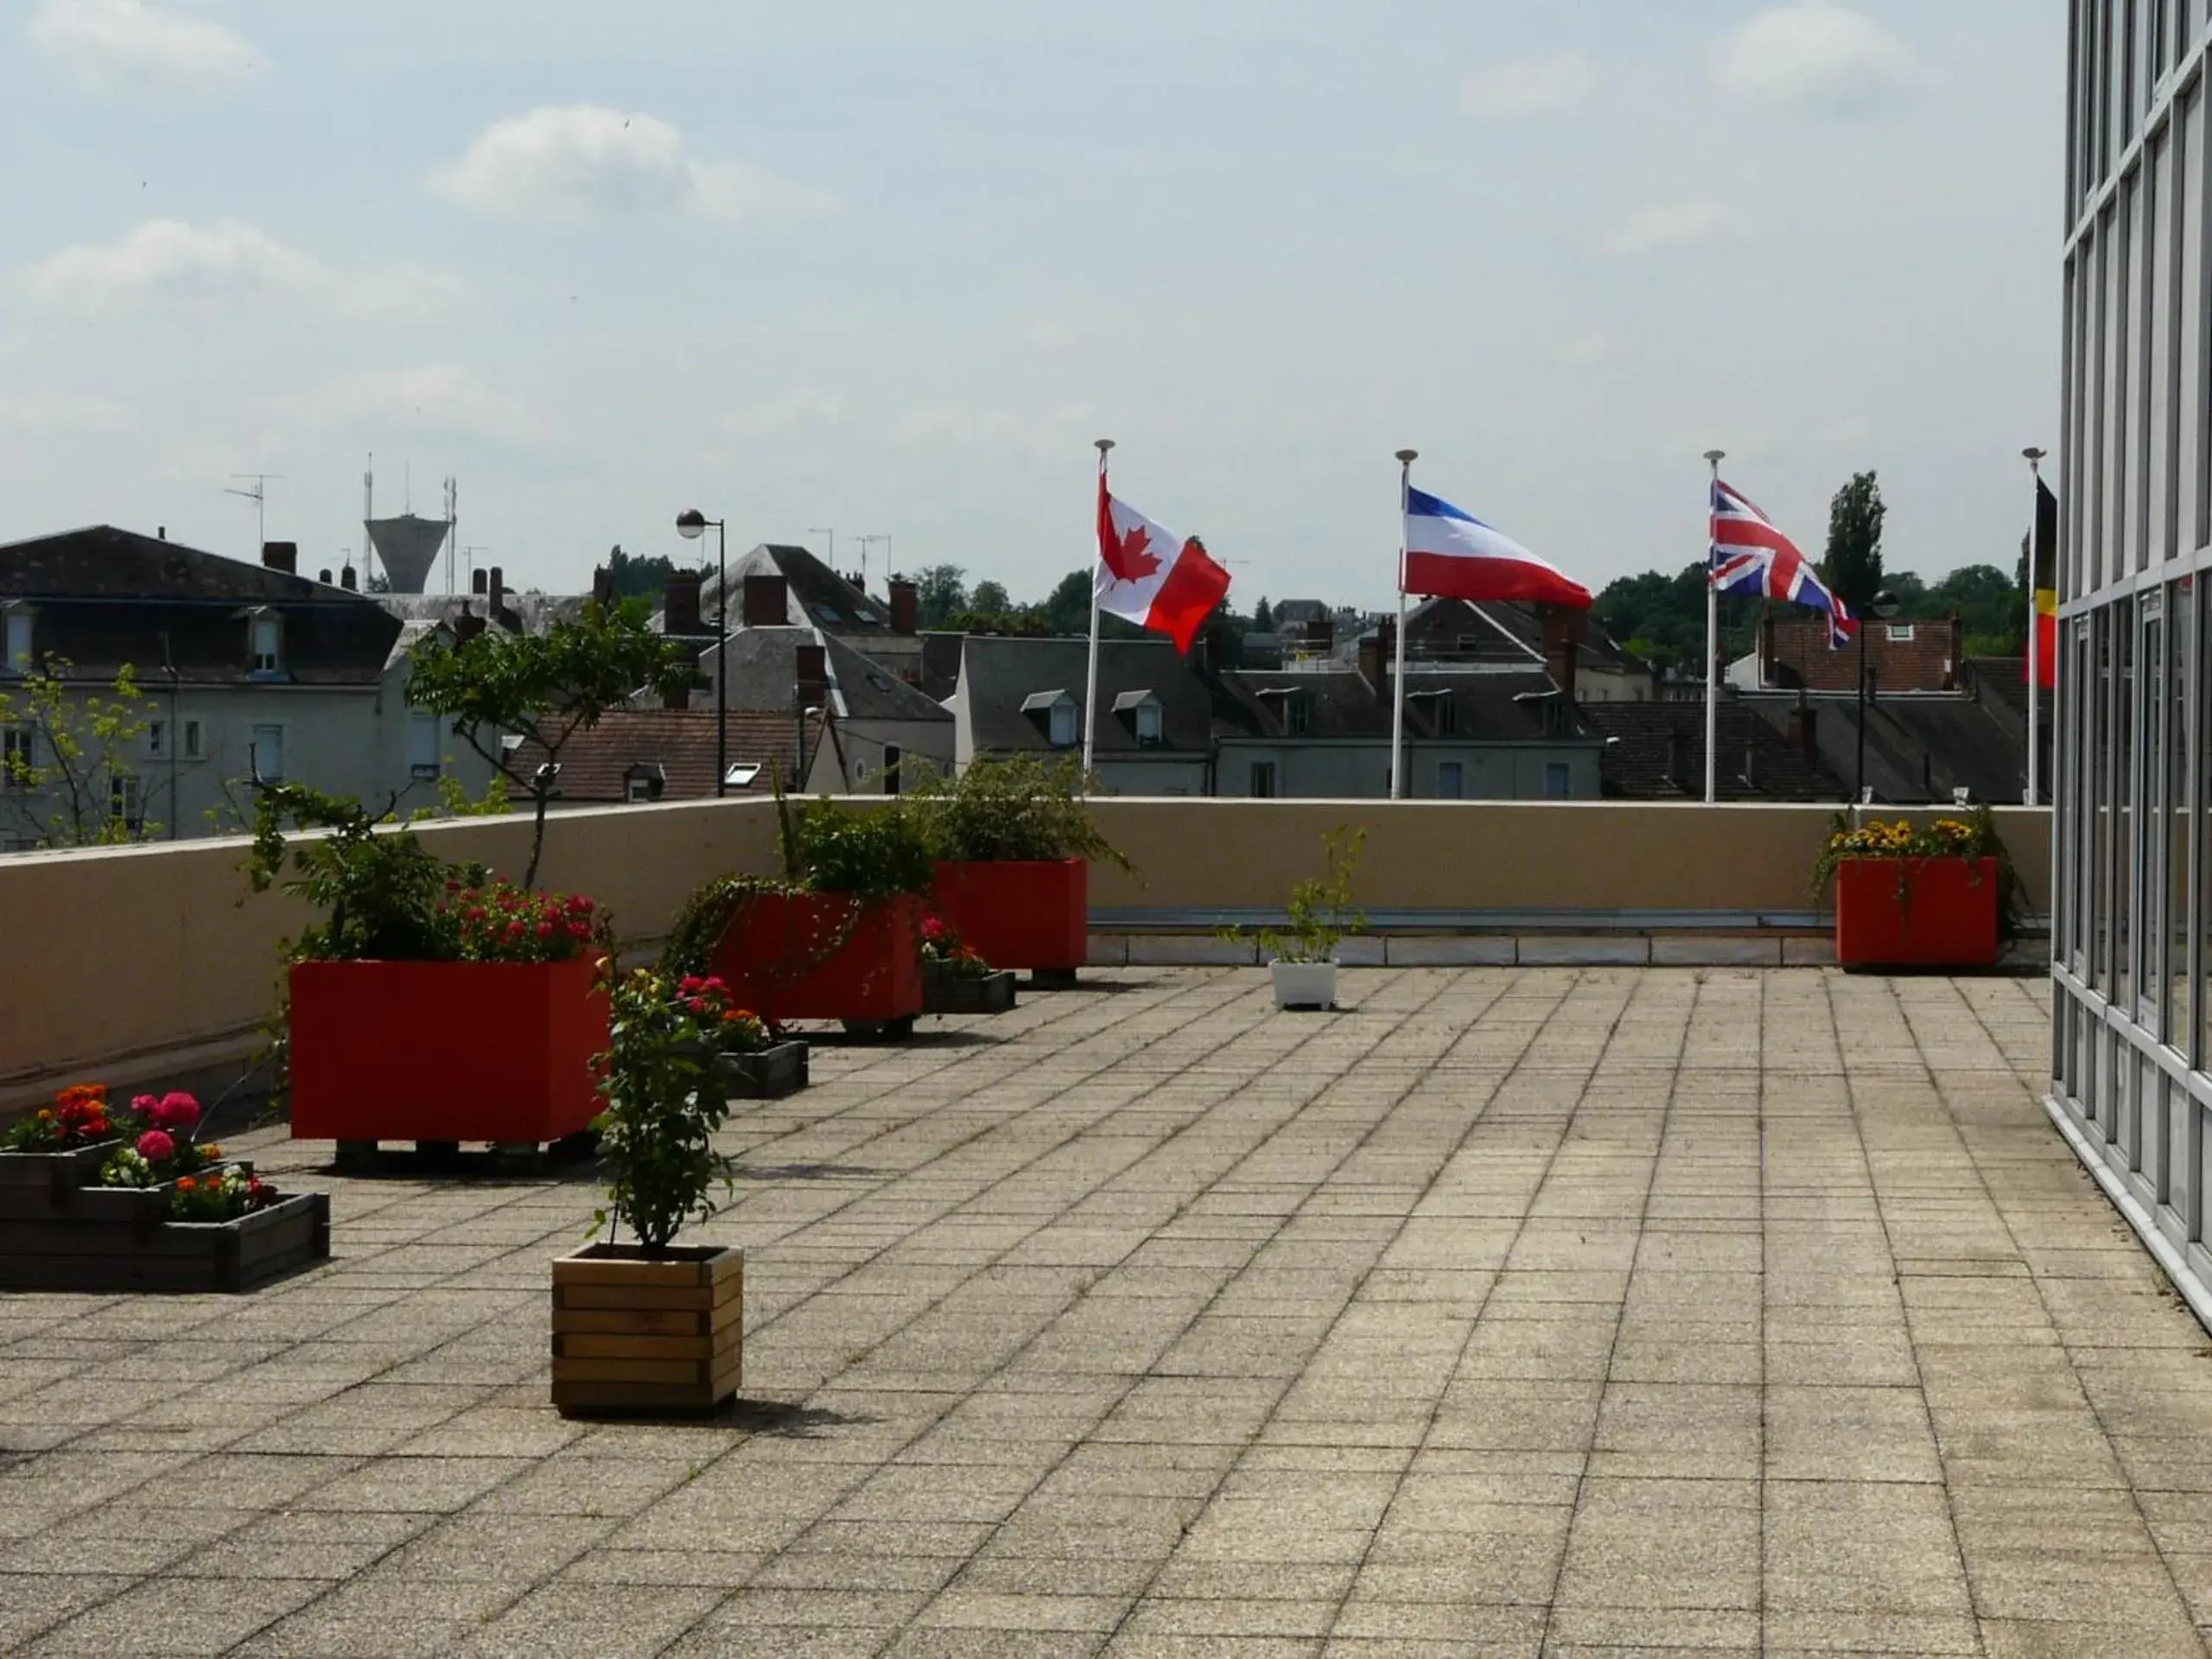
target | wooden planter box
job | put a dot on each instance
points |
(1033, 915)
(58, 1233)
(825, 957)
(445, 1052)
(770, 1075)
(946, 993)
(632, 1335)
(1930, 913)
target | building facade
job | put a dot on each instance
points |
(2133, 1048)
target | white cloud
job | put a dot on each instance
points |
(434, 397)
(1514, 92)
(1680, 226)
(1590, 348)
(41, 411)
(585, 161)
(1817, 53)
(168, 257)
(793, 411)
(129, 48)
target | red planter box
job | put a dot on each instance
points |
(825, 957)
(445, 1050)
(1020, 915)
(1943, 914)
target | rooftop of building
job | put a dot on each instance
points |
(1509, 1306)
(670, 753)
(1656, 753)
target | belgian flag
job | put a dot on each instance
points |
(2043, 580)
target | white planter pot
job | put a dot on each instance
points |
(1304, 984)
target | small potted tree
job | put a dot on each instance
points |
(497, 988)
(651, 1325)
(838, 938)
(1014, 841)
(1302, 956)
(1918, 895)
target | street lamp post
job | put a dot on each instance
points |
(691, 526)
(1881, 607)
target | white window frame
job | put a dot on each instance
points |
(13, 738)
(254, 756)
(157, 738)
(126, 799)
(1061, 724)
(420, 770)
(21, 624)
(268, 627)
(1902, 633)
(1151, 724)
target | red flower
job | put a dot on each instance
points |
(157, 1147)
(545, 930)
(933, 929)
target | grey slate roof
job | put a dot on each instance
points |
(763, 671)
(818, 594)
(1000, 674)
(1341, 704)
(530, 613)
(106, 597)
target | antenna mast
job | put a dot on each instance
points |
(259, 496)
(368, 511)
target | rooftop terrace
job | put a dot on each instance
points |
(1512, 1311)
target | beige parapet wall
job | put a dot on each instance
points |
(151, 952)
(1471, 858)
(126, 963)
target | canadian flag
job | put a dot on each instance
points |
(1152, 577)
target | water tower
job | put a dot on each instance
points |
(408, 546)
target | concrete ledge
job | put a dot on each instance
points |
(1193, 950)
(1716, 953)
(1109, 950)
(1588, 951)
(1809, 953)
(1475, 951)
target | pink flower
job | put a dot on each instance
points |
(176, 1110)
(146, 1106)
(155, 1147)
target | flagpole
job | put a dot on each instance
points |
(2035, 636)
(1394, 662)
(1714, 458)
(1091, 694)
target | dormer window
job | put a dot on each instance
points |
(1143, 715)
(1297, 715)
(265, 643)
(1054, 713)
(1150, 726)
(19, 639)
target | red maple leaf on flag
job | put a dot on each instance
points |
(1127, 555)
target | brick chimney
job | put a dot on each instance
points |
(323, 575)
(811, 677)
(496, 600)
(1321, 634)
(681, 614)
(767, 602)
(468, 625)
(1378, 653)
(350, 579)
(906, 606)
(281, 555)
(1563, 631)
(479, 582)
(1804, 729)
(602, 585)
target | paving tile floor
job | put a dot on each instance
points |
(1511, 1312)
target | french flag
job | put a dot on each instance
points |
(1454, 555)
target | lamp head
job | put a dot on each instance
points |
(691, 525)
(1407, 457)
(1884, 605)
(1716, 456)
(1105, 446)
(2034, 457)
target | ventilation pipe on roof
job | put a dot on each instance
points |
(350, 579)
(281, 555)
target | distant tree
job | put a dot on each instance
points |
(545, 687)
(989, 599)
(1029, 624)
(636, 578)
(1263, 617)
(1660, 619)
(65, 776)
(942, 590)
(1854, 566)
(1066, 610)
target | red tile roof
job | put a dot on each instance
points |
(595, 766)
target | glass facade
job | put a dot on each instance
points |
(2132, 1052)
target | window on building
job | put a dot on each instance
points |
(16, 756)
(423, 761)
(1150, 730)
(268, 643)
(893, 758)
(1447, 716)
(125, 803)
(641, 789)
(1451, 781)
(1902, 633)
(19, 642)
(194, 744)
(267, 753)
(1297, 716)
(743, 773)
(157, 738)
(1558, 781)
(1063, 733)
(1263, 780)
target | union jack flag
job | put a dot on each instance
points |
(1750, 556)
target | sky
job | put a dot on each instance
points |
(889, 267)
